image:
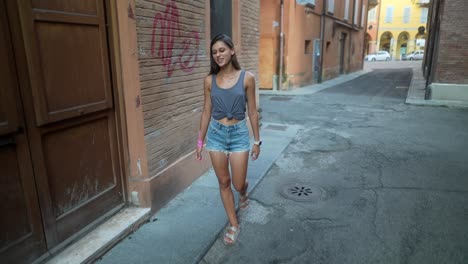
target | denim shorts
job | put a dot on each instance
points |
(228, 139)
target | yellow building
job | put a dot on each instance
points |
(402, 26)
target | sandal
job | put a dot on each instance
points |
(243, 201)
(231, 233)
(244, 198)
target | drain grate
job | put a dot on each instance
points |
(280, 98)
(301, 192)
(276, 127)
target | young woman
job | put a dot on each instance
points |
(229, 90)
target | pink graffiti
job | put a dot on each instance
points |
(169, 26)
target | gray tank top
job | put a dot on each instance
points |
(230, 103)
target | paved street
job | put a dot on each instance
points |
(348, 173)
(379, 181)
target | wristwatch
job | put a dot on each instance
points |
(258, 143)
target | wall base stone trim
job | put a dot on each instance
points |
(449, 92)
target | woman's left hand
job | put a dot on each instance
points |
(255, 152)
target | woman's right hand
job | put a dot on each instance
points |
(199, 153)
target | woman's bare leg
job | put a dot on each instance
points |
(239, 162)
(220, 165)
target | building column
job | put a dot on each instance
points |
(393, 48)
(411, 45)
(133, 127)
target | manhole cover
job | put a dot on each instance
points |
(280, 98)
(301, 192)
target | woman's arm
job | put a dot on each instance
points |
(252, 112)
(205, 116)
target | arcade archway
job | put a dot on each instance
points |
(386, 40)
(402, 45)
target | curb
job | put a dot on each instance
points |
(315, 88)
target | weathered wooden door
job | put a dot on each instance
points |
(316, 60)
(64, 68)
(21, 233)
(342, 52)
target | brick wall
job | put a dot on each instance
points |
(171, 75)
(250, 35)
(452, 64)
(173, 64)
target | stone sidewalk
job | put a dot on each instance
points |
(417, 93)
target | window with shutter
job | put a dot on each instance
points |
(356, 12)
(362, 15)
(406, 15)
(305, 2)
(424, 12)
(331, 6)
(346, 10)
(371, 17)
(389, 14)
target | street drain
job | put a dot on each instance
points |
(280, 98)
(276, 127)
(301, 192)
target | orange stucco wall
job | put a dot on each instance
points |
(304, 25)
(372, 31)
(269, 42)
(335, 26)
(301, 25)
(331, 49)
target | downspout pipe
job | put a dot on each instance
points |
(377, 33)
(280, 80)
(322, 38)
(351, 34)
(432, 43)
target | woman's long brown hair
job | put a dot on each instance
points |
(214, 69)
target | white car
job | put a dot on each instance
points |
(379, 56)
(415, 55)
